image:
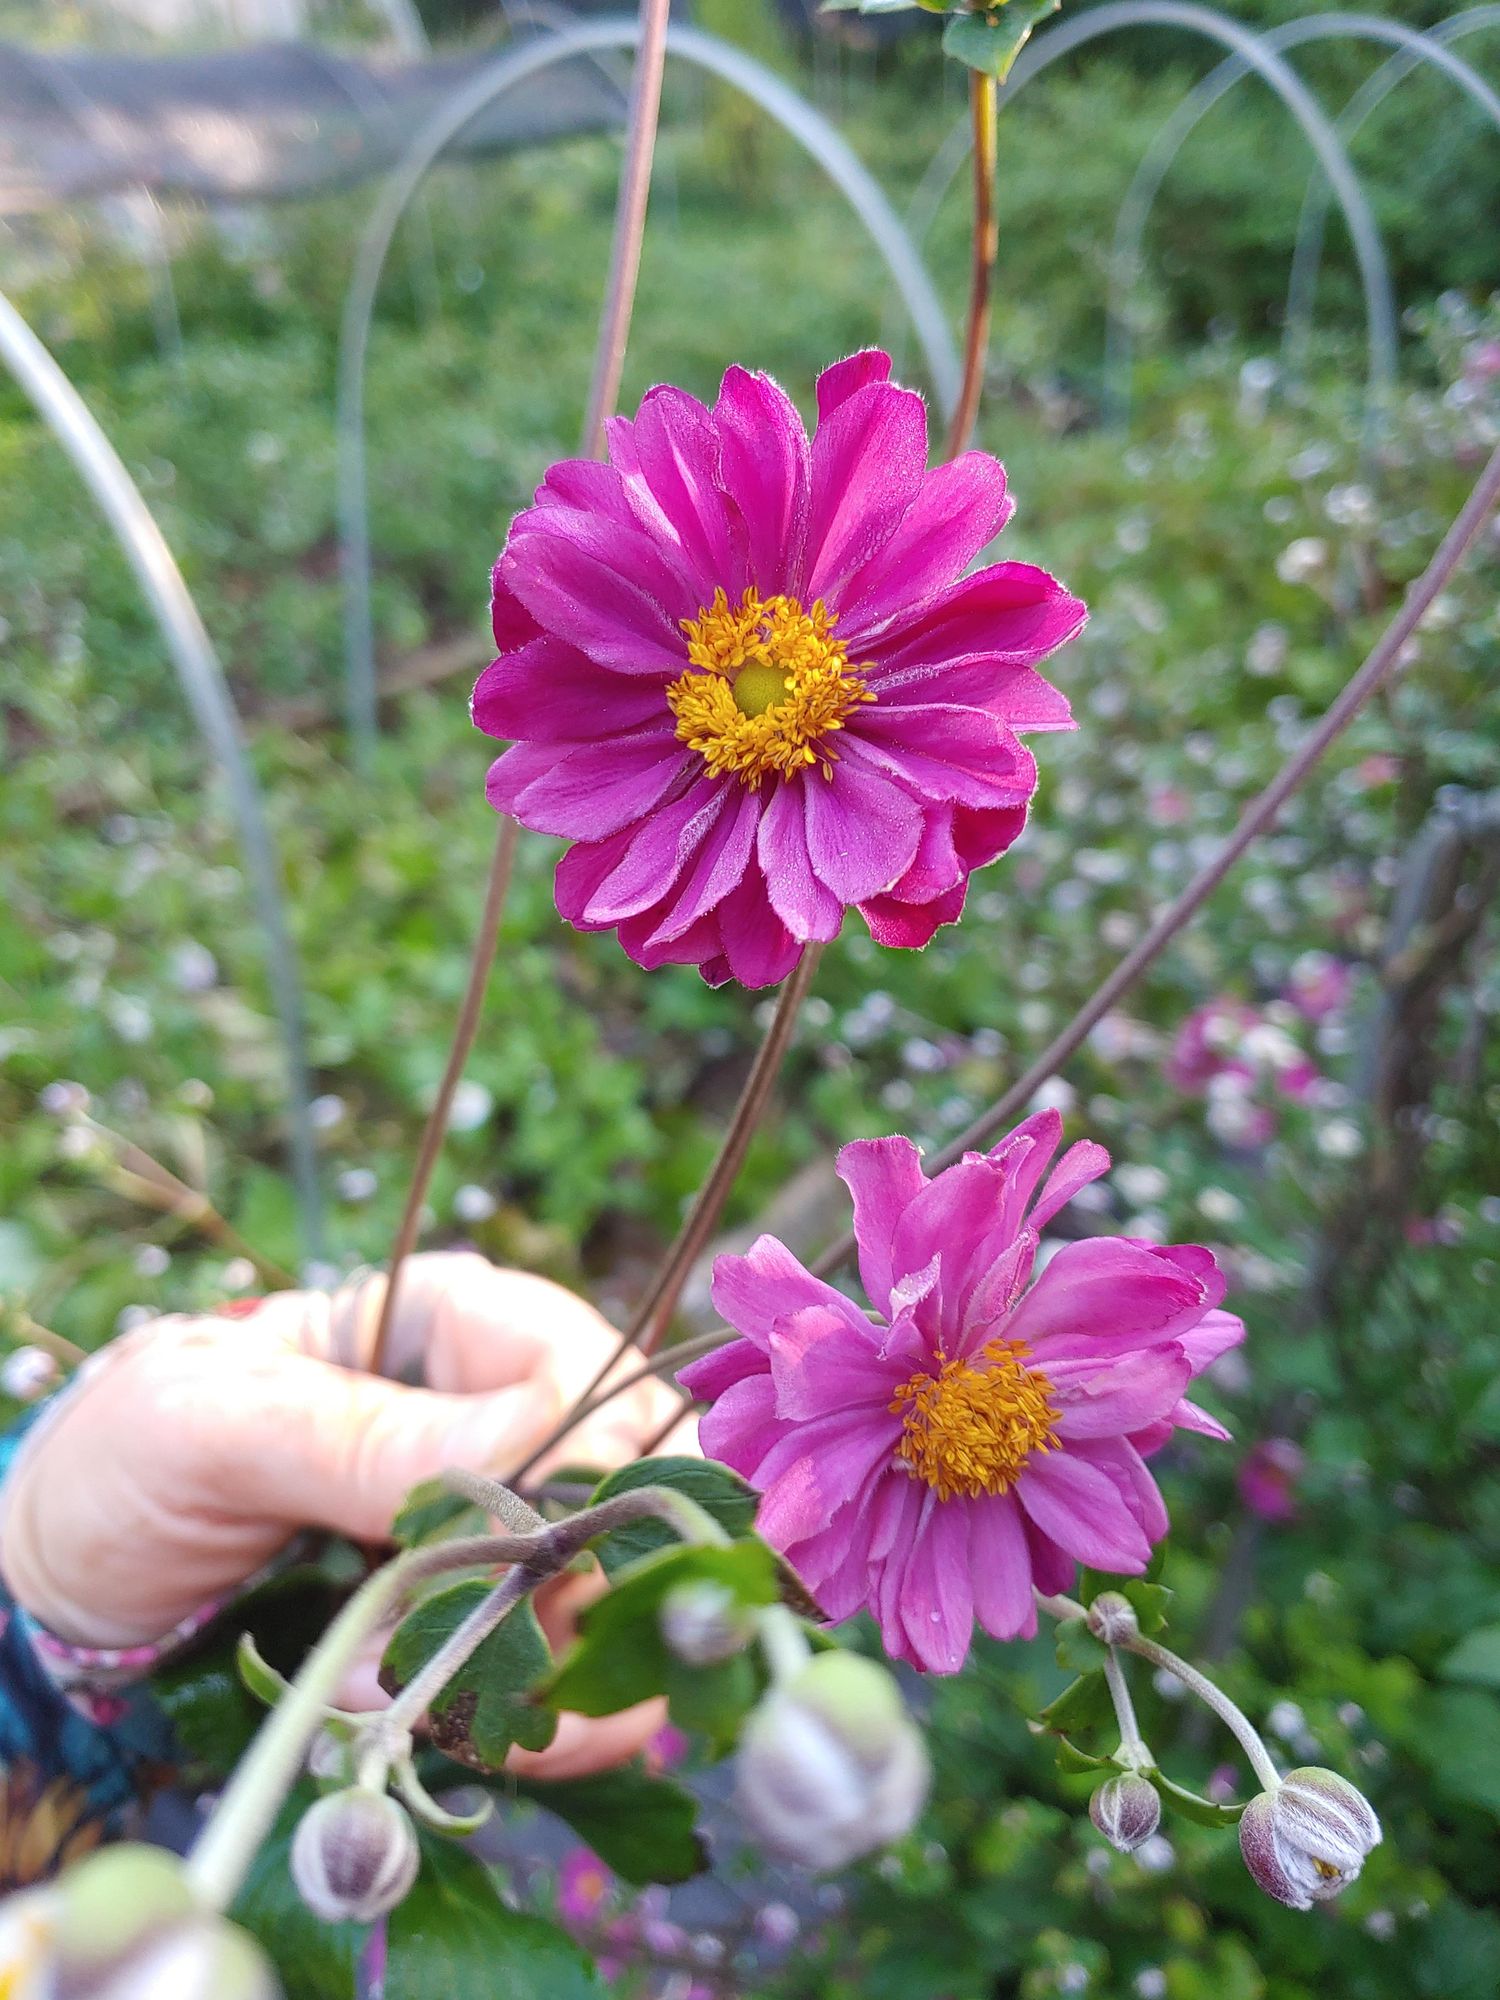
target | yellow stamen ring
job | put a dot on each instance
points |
(970, 1429)
(767, 684)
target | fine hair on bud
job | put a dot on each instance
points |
(1126, 1810)
(1111, 1617)
(703, 1623)
(354, 1856)
(831, 1766)
(1307, 1839)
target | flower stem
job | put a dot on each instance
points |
(1131, 1740)
(783, 1642)
(654, 1315)
(1212, 1696)
(984, 107)
(225, 1849)
(436, 1128)
(630, 222)
(396, 1722)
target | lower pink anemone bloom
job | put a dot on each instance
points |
(745, 673)
(984, 1433)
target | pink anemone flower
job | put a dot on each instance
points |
(983, 1433)
(745, 674)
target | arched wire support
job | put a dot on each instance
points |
(1127, 259)
(71, 422)
(140, 203)
(1307, 255)
(1317, 129)
(795, 116)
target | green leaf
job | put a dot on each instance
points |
(454, 1935)
(1475, 1658)
(431, 1512)
(723, 1494)
(643, 1827)
(1192, 1805)
(1077, 1648)
(990, 42)
(1083, 1704)
(317, 1961)
(1073, 1760)
(620, 1658)
(489, 1704)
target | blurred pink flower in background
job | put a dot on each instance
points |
(584, 1885)
(1267, 1478)
(1238, 1058)
(1320, 985)
(745, 673)
(986, 1433)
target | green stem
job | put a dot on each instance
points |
(1131, 1741)
(1229, 1713)
(783, 1642)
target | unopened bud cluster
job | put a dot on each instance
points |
(831, 1766)
(704, 1623)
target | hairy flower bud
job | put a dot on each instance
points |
(116, 1897)
(1111, 1617)
(354, 1856)
(703, 1623)
(831, 1765)
(1307, 1839)
(1126, 1810)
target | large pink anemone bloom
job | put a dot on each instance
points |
(745, 673)
(984, 1433)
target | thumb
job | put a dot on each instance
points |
(311, 1443)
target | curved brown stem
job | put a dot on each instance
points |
(654, 1314)
(984, 108)
(436, 1128)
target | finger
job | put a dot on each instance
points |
(584, 1745)
(308, 1443)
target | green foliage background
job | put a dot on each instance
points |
(1377, 1611)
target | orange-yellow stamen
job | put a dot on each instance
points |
(767, 684)
(970, 1428)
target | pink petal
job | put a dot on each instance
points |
(825, 1361)
(742, 1427)
(1102, 1297)
(1000, 1561)
(959, 508)
(809, 1474)
(1119, 1396)
(937, 1588)
(924, 762)
(862, 831)
(751, 1293)
(1188, 1416)
(1214, 1335)
(1011, 614)
(952, 1218)
(607, 587)
(719, 867)
(1078, 1166)
(1080, 1508)
(708, 1378)
(548, 690)
(585, 791)
(766, 464)
(759, 950)
(856, 371)
(910, 926)
(1122, 1464)
(884, 1176)
(868, 457)
(658, 851)
(804, 904)
(678, 450)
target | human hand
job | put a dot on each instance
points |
(198, 1446)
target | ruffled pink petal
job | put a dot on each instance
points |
(677, 448)
(862, 831)
(766, 465)
(1005, 1270)
(548, 691)
(1189, 1416)
(809, 1474)
(512, 623)
(751, 1293)
(909, 926)
(960, 507)
(1214, 1335)
(1081, 1508)
(1104, 1297)
(654, 854)
(742, 1427)
(1122, 1464)
(605, 586)
(825, 1361)
(1001, 774)
(951, 1219)
(937, 1588)
(1023, 1156)
(868, 457)
(807, 907)
(585, 791)
(1078, 1166)
(1000, 1559)
(856, 371)
(1118, 1397)
(758, 948)
(718, 868)
(884, 1177)
(1011, 614)
(1052, 1568)
(708, 1378)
